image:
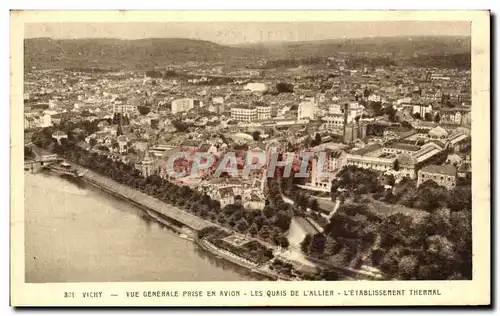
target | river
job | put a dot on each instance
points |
(76, 233)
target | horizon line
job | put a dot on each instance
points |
(243, 43)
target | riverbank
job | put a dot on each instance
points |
(230, 257)
(176, 215)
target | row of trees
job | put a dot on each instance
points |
(269, 224)
(428, 196)
(437, 247)
(356, 180)
(76, 131)
(350, 233)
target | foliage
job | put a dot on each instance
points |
(316, 141)
(28, 152)
(143, 110)
(269, 224)
(460, 198)
(256, 136)
(357, 181)
(439, 246)
(283, 87)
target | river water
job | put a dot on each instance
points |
(76, 233)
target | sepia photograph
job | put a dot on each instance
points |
(229, 151)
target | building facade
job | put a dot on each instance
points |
(264, 112)
(126, 109)
(445, 176)
(306, 111)
(244, 113)
(182, 105)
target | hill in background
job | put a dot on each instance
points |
(46, 53)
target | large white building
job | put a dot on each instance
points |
(126, 109)
(322, 175)
(422, 109)
(182, 105)
(263, 112)
(46, 120)
(244, 113)
(333, 121)
(354, 109)
(256, 87)
(306, 110)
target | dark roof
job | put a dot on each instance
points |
(444, 169)
(334, 153)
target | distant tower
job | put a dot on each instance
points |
(428, 76)
(119, 130)
(345, 111)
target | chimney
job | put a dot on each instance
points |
(346, 108)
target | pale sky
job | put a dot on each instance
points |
(244, 32)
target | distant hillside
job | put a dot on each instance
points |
(148, 53)
(123, 54)
(431, 45)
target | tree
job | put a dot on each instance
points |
(406, 124)
(417, 116)
(254, 229)
(265, 232)
(268, 211)
(317, 245)
(428, 116)
(407, 267)
(28, 152)
(391, 113)
(242, 226)
(357, 180)
(314, 205)
(282, 241)
(283, 87)
(92, 142)
(283, 220)
(316, 141)
(437, 118)
(115, 145)
(143, 110)
(256, 135)
(390, 261)
(460, 198)
(376, 256)
(396, 165)
(431, 196)
(304, 245)
(461, 235)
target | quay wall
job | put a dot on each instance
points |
(147, 201)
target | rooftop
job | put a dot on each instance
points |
(444, 169)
